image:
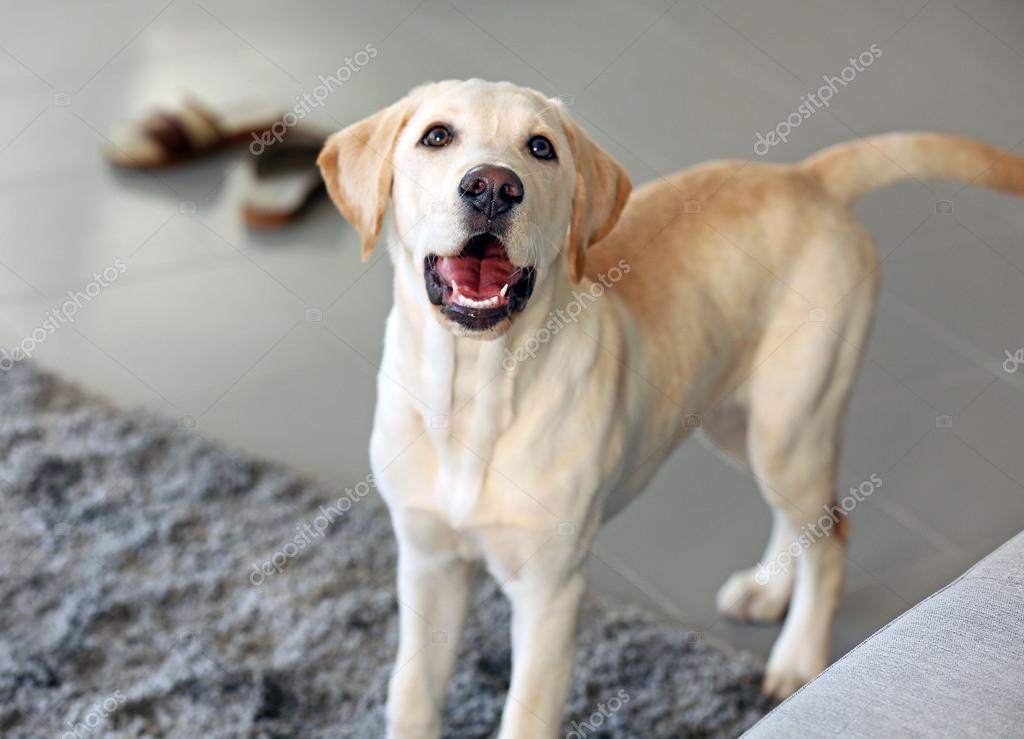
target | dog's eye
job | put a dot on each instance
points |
(541, 148)
(437, 136)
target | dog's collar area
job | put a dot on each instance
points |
(479, 287)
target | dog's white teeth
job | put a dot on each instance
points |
(455, 288)
(504, 290)
(470, 303)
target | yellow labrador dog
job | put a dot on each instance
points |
(553, 338)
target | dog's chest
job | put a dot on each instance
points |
(535, 445)
(470, 408)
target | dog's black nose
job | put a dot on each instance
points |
(491, 190)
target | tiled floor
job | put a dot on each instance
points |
(270, 342)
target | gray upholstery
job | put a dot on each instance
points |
(953, 666)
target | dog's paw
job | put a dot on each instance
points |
(792, 664)
(747, 597)
(781, 683)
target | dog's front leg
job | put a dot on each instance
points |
(545, 604)
(433, 594)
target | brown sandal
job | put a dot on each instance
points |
(184, 132)
(285, 179)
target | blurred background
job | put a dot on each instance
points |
(269, 341)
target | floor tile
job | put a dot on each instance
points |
(307, 403)
(189, 335)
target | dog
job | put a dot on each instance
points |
(555, 336)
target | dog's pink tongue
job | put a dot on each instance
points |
(478, 276)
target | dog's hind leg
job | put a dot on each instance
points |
(798, 394)
(760, 593)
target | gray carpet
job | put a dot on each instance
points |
(127, 607)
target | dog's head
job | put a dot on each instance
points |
(490, 181)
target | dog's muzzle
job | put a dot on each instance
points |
(479, 287)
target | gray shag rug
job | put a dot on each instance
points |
(128, 606)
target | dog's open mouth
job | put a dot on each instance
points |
(480, 287)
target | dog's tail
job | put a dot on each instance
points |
(847, 171)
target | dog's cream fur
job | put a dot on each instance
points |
(733, 297)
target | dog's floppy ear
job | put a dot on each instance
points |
(602, 188)
(357, 168)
